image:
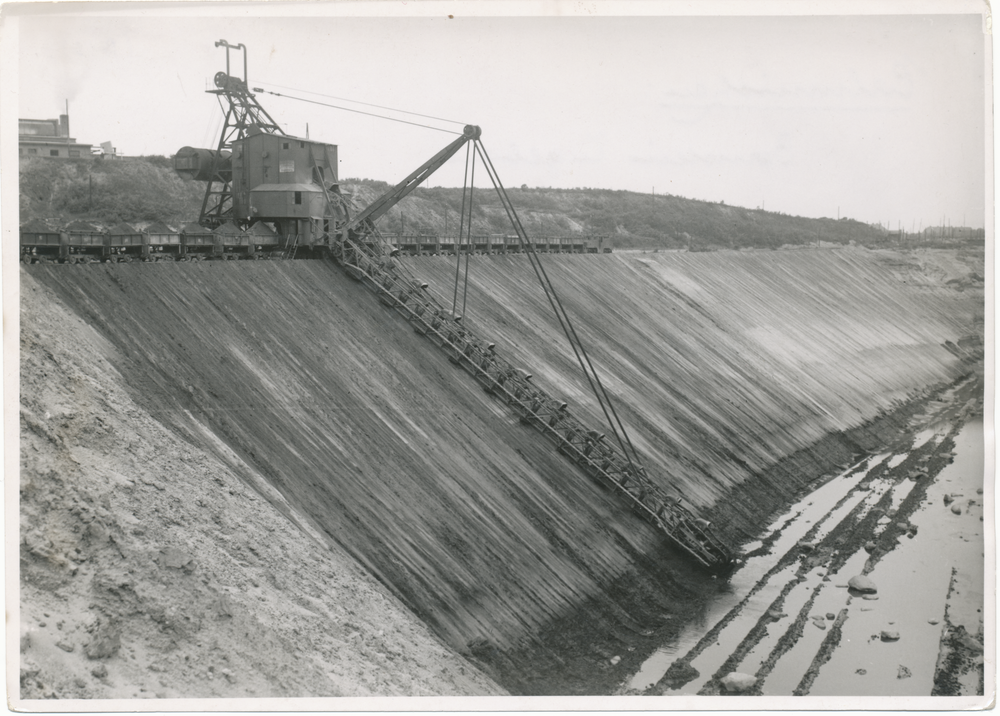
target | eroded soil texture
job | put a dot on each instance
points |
(251, 478)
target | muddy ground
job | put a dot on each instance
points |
(250, 479)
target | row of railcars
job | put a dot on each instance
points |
(432, 245)
(81, 242)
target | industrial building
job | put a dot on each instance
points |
(49, 138)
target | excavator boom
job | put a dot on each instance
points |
(384, 203)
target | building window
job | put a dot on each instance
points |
(74, 152)
(285, 145)
(302, 145)
(53, 152)
(298, 197)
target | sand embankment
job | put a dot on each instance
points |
(297, 381)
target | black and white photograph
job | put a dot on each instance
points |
(511, 356)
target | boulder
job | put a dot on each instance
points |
(957, 509)
(861, 583)
(903, 672)
(869, 546)
(887, 635)
(737, 683)
(106, 642)
(831, 615)
(174, 558)
(615, 660)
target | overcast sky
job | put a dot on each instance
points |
(878, 117)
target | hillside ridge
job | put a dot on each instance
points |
(146, 189)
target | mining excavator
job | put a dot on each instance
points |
(285, 190)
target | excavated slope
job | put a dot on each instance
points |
(723, 363)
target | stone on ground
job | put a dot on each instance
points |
(737, 682)
(861, 583)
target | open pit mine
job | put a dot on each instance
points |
(346, 470)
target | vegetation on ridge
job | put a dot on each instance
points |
(146, 189)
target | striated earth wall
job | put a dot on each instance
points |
(724, 364)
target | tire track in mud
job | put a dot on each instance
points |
(876, 520)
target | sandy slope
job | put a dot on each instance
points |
(150, 568)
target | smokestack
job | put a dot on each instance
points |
(64, 120)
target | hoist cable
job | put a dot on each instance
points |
(461, 224)
(358, 111)
(560, 312)
(472, 188)
(366, 104)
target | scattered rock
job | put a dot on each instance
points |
(680, 673)
(65, 646)
(971, 643)
(820, 624)
(903, 525)
(887, 635)
(862, 584)
(106, 642)
(869, 546)
(948, 499)
(615, 660)
(903, 672)
(99, 672)
(807, 547)
(870, 597)
(737, 682)
(932, 621)
(224, 607)
(29, 669)
(831, 615)
(957, 509)
(979, 491)
(174, 558)
(776, 614)
(861, 672)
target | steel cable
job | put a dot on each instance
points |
(358, 111)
